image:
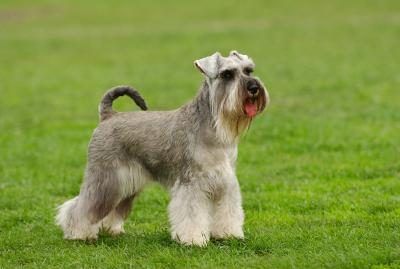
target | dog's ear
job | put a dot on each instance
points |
(209, 65)
(236, 54)
(241, 57)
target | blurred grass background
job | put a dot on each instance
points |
(319, 171)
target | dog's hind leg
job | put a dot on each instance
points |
(80, 217)
(113, 223)
(131, 179)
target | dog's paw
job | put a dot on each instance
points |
(113, 225)
(116, 230)
(197, 239)
(227, 232)
(81, 236)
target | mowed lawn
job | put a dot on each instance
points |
(319, 171)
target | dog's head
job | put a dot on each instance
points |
(236, 96)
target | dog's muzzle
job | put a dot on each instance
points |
(255, 98)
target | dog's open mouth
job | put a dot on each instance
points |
(250, 107)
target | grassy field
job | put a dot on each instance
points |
(319, 172)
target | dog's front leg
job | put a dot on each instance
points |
(228, 212)
(189, 214)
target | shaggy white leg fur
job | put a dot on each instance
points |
(189, 214)
(74, 224)
(228, 213)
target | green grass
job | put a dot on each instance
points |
(319, 172)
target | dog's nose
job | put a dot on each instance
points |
(252, 86)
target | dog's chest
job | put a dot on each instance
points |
(212, 157)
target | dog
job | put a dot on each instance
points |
(191, 151)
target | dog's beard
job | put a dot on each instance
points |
(234, 109)
(230, 120)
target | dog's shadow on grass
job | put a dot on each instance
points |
(162, 239)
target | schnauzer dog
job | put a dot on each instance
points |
(191, 151)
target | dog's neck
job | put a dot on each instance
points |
(202, 100)
(201, 105)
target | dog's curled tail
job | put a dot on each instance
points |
(105, 107)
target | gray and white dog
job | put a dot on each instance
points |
(191, 151)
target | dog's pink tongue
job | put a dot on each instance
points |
(251, 109)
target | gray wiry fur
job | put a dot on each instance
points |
(191, 151)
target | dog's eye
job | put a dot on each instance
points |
(248, 71)
(227, 74)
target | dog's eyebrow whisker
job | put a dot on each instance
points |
(191, 151)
